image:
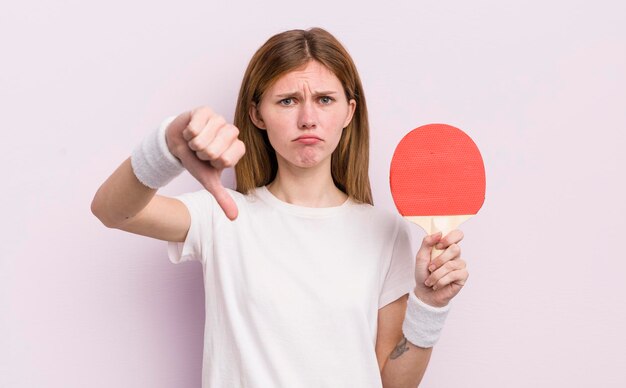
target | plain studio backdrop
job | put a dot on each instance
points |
(539, 85)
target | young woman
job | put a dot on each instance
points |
(306, 282)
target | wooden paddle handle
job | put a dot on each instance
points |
(434, 224)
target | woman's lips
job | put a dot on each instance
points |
(307, 139)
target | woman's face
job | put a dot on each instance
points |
(304, 113)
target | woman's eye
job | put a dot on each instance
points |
(286, 101)
(326, 100)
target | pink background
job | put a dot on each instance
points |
(539, 85)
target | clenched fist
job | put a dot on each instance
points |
(440, 279)
(206, 144)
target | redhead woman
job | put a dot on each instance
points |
(307, 284)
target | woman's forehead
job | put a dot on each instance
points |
(313, 75)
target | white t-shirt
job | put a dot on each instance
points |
(292, 293)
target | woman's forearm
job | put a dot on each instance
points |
(121, 197)
(405, 366)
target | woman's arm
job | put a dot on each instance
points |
(124, 203)
(205, 145)
(401, 363)
(437, 281)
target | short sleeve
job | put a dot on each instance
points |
(198, 239)
(400, 277)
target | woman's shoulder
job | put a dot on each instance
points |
(379, 214)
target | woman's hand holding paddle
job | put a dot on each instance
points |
(439, 279)
(206, 144)
(437, 179)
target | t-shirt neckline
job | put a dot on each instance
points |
(313, 212)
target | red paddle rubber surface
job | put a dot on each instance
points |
(437, 170)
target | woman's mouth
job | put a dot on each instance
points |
(308, 139)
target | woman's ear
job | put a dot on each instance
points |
(351, 110)
(255, 116)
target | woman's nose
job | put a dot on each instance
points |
(307, 118)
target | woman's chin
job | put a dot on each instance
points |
(307, 159)
(306, 163)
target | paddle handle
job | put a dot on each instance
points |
(434, 224)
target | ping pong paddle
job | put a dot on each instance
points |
(437, 178)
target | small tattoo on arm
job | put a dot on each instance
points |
(401, 347)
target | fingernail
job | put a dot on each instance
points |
(427, 283)
(431, 267)
(439, 246)
(434, 288)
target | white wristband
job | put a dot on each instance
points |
(423, 323)
(153, 163)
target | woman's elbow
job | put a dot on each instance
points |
(99, 210)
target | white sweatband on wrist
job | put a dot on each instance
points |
(153, 163)
(423, 323)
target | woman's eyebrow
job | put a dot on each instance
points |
(326, 93)
(288, 94)
(298, 94)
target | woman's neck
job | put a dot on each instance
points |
(310, 187)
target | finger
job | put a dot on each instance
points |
(454, 237)
(173, 135)
(231, 156)
(226, 202)
(199, 118)
(455, 278)
(444, 270)
(209, 177)
(213, 184)
(427, 245)
(205, 137)
(226, 135)
(422, 259)
(180, 122)
(451, 253)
